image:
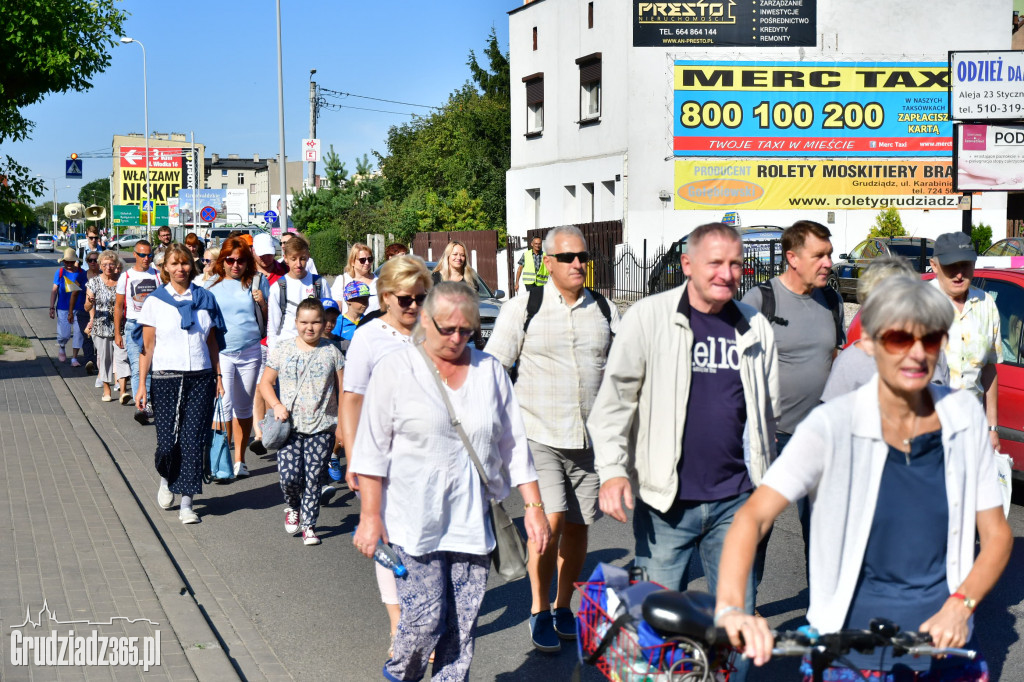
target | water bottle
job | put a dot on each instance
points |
(386, 557)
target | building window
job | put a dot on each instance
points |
(534, 38)
(587, 203)
(534, 103)
(252, 209)
(590, 87)
(223, 185)
(241, 179)
(533, 208)
(590, 15)
(224, 172)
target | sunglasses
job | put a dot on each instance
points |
(569, 257)
(451, 331)
(364, 261)
(406, 301)
(91, 260)
(143, 255)
(899, 342)
(231, 261)
(206, 261)
(92, 238)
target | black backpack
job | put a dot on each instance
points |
(831, 298)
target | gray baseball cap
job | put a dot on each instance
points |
(954, 247)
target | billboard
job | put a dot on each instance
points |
(826, 109)
(826, 184)
(989, 157)
(165, 174)
(725, 23)
(986, 86)
(191, 202)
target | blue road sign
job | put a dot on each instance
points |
(73, 169)
(269, 216)
(147, 205)
(208, 214)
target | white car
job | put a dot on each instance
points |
(45, 242)
(127, 240)
(8, 245)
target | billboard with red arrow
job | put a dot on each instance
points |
(165, 174)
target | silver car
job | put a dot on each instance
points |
(45, 242)
(8, 245)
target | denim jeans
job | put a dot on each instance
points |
(133, 357)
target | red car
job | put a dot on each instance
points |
(1006, 286)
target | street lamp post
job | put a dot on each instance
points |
(282, 167)
(145, 132)
(56, 218)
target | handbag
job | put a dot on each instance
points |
(276, 432)
(510, 555)
(218, 452)
(260, 320)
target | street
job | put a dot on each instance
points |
(284, 611)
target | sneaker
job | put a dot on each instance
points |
(257, 447)
(309, 537)
(565, 624)
(291, 521)
(107, 398)
(90, 368)
(75, 362)
(142, 417)
(240, 470)
(62, 356)
(542, 632)
(125, 399)
(188, 516)
(334, 469)
(149, 412)
(165, 498)
(327, 494)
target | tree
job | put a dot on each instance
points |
(981, 235)
(49, 46)
(888, 224)
(96, 193)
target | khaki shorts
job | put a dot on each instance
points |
(568, 482)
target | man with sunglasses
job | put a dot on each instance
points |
(92, 245)
(973, 346)
(133, 286)
(558, 337)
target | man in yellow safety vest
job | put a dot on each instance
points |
(533, 270)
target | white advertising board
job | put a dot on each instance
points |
(989, 157)
(986, 86)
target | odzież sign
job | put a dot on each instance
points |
(165, 174)
(986, 86)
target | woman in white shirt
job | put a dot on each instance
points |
(420, 489)
(402, 286)
(359, 268)
(903, 477)
(182, 334)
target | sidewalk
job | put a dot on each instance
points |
(74, 539)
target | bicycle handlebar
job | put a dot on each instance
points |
(806, 641)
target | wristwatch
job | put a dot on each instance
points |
(971, 604)
(993, 428)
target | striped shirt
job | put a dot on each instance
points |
(974, 341)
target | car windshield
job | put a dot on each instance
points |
(911, 250)
(1005, 248)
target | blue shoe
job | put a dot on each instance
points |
(542, 632)
(565, 624)
(334, 469)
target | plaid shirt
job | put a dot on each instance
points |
(561, 362)
(974, 341)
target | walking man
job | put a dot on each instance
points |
(532, 268)
(558, 337)
(133, 286)
(974, 344)
(67, 304)
(687, 408)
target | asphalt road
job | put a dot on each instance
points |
(316, 609)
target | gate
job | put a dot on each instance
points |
(430, 246)
(601, 240)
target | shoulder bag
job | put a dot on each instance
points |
(509, 556)
(257, 310)
(218, 452)
(275, 431)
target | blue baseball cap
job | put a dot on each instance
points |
(330, 304)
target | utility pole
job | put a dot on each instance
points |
(282, 165)
(311, 171)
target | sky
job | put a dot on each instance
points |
(212, 70)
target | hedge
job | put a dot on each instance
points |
(329, 250)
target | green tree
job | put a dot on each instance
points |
(888, 224)
(49, 46)
(96, 192)
(981, 235)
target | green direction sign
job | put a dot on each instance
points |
(128, 216)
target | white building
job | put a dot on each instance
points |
(593, 115)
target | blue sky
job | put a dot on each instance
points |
(212, 68)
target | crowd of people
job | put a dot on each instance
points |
(703, 414)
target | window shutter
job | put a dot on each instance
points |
(590, 72)
(535, 91)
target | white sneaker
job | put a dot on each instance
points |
(291, 521)
(309, 537)
(165, 498)
(240, 470)
(187, 516)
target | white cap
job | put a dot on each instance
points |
(264, 245)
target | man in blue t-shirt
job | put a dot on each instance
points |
(67, 302)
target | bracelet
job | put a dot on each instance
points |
(993, 428)
(538, 505)
(724, 611)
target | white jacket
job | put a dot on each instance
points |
(637, 422)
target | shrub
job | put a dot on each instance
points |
(981, 235)
(887, 224)
(329, 250)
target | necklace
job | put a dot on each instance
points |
(906, 441)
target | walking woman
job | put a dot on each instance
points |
(454, 266)
(100, 297)
(436, 513)
(903, 479)
(182, 335)
(402, 287)
(359, 269)
(242, 305)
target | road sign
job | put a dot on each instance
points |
(311, 150)
(73, 169)
(147, 205)
(208, 214)
(269, 216)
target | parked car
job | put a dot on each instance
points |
(45, 242)
(1014, 246)
(127, 240)
(489, 306)
(1006, 286)
(216, 236)
(8, 245)
(758, 262)
(848, 266)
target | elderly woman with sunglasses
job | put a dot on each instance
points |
(421, 489)
(242, 305)
(100, 298)
(358, 269)
(903, 478)
(402, 288)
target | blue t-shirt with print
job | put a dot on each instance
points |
(712, 466)
(63, 278)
